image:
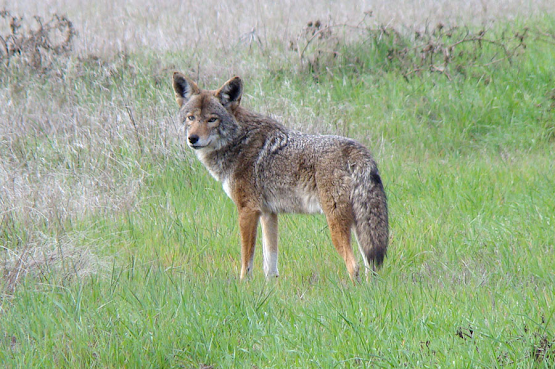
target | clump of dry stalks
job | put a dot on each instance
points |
(36, 43)
(324, 47)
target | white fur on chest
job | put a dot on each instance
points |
(202, 155)
(218, 175)
(227, 187)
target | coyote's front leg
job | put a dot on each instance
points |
(269, 223)
(248, 222)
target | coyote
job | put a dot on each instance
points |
(266, 169)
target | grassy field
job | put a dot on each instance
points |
(117, 248)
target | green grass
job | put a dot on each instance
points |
(468, 166)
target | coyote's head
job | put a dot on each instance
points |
(208, 115)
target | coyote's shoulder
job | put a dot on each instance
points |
(266, 169)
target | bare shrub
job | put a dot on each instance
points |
(363, 47)
(37, 43)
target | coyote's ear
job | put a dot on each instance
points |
(184, 88)
(230, 93)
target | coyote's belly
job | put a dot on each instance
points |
(292, 200)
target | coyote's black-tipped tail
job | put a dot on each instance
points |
(370, 213)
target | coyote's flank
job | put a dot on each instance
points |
(266, 169)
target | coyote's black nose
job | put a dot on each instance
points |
(193, 139)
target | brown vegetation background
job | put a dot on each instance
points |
(107, 26)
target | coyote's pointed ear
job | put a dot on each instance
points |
(230, 93)
(184, 88)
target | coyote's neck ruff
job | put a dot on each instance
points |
(267, 169)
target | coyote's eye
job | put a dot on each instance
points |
(191, 117)
(212, 120)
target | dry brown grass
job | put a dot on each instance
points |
(69, 153)
(51, 260)
(57, 169)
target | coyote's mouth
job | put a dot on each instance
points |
(200, 144)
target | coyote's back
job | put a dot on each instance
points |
(266, 169)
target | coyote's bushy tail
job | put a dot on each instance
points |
(370, 212)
